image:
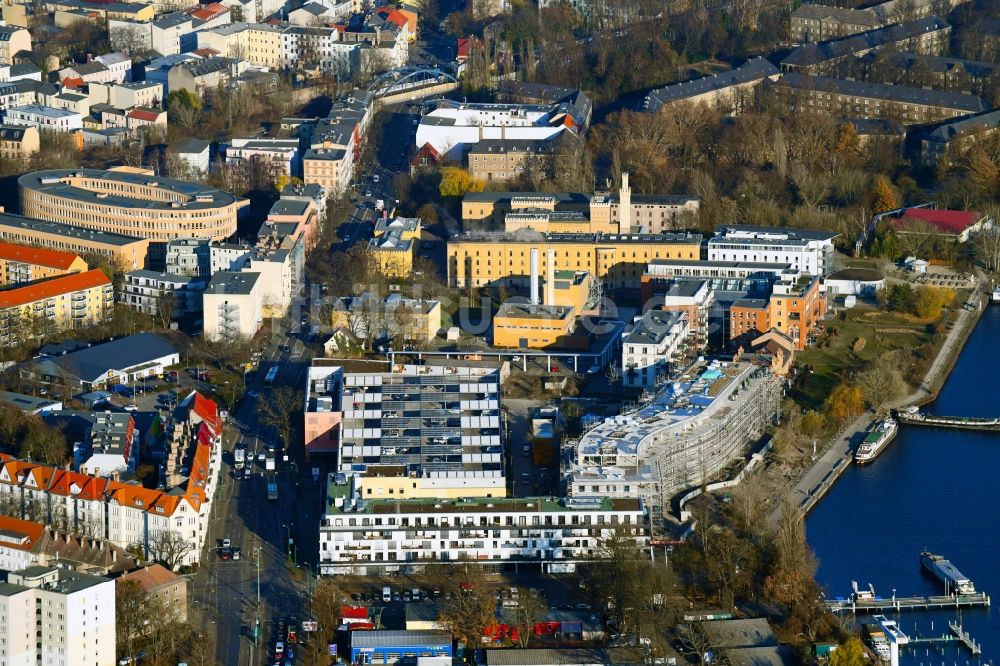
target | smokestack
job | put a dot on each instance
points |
(550, 277)
(534, 276)
(624, 205)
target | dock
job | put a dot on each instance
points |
(879, 605)
(959, 422)
(964, 638)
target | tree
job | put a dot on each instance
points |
(165, 305)
(883, 195)
(276, 410)
(849, 653)
(845, 401)
(128, 40)
(137, 614)
(880, 384)
(184, 107)
(169, 548)
(529, 607)
(428, 214)
(472, 607)
(456, 181)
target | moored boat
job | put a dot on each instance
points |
(875, 441)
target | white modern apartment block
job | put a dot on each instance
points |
(683, 437)
(371, 537)
(45, 118)
(166, 32)
(453, 128)
(233, 306)
(112, 446)
(648, 350)
(304, 47)
(126, 514)
(56, 616)
(807, 251)
(146, 291)
(282, 152)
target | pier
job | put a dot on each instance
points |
(879, 605)
(959, 422)
(964, 638)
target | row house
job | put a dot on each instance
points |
(125, 514)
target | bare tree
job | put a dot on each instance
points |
(277, 409)
(169, 548)
(165, 306)
(529, 607)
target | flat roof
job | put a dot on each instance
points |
(533, 311)
(399, 638)
(229, 282)
(189, 195)
(24, 402)
(91, 362)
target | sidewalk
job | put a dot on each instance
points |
(836, 457)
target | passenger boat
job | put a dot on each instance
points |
(996, 294)
(875, 441)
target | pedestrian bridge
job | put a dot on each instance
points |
(407, 83)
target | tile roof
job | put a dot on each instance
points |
(755, 69)
(152, 577)
(901, 94)
(144, 114)
(20, 534)
(809, 55)
(38, 256)
(58, 286)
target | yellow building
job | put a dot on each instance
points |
(18, 142)
(571, 289)
(22, 263)
(619, 260)
(128, 253)
(264, 45)
(411, 319)
(13, 40)
(68, 301)
(130, 202)
(394, 244)
(528, 326)
(388, 482)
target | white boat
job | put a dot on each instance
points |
(996, 294)
(875, 441)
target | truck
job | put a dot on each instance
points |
(269, 461)
(239, 457)
(379, 205)
(272, 488)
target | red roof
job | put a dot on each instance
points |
(945, 221)
(64, 284)
(206, 12)
(73, 82)
(39, 256)
(143, 114)
(25, 531)
(397, 17)
(205, 52)
(353, 613)
(426, 152)
(207, 409)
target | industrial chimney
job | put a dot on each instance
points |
(534, 276)
(550, 277)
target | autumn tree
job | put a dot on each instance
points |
(456, 181)
(883, 195)
(529, 608)
(849, 653)
(184, 107)
(472, 607)
(845, 401)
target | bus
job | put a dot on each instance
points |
(271, 376)
(272, 487)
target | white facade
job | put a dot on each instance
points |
(71, 617)
(166, 32)
(233, 306)
(17, 626)
(144, 290)
(454, 129)
(45, 118)
(119, 64)
(319, 47)
(378, 536)
(284, 152)
(655, 341)
(229, 257)
(807, 251)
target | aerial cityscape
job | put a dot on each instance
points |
(499, 332)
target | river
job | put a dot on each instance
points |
(931, 489)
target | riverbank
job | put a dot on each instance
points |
(835, 456)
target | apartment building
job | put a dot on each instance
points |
(687, 434)
(126, 252)
(127, 514)
(163, 585)
(233, 306)
(394, 244)
(44, 118)
(854, 99)
(649, 350)
(13, 40)
(691, 297)
(282, 153)
(940, 73)
(330, 168)
(18, 142)
(507, 160)
(132, 202)
(927, 36)
(321, 48)
(163, 294)
(414, 321)
(818, 23)
(806, 250)
(68, 301)
(198, 76)
(111, 446)
(618, 260)
(24, 263)
(127, 95)
(372, 537)
(53, 615)
(732, 91)
(323, 407)
(958, 135)
(795, 307)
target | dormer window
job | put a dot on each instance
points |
(138, 502)
(159, 509)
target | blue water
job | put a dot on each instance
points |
(931, 489)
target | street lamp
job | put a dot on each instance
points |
(288, 545)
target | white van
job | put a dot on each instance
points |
(386, 594)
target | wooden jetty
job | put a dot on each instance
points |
(964, 638)
(878, 605)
